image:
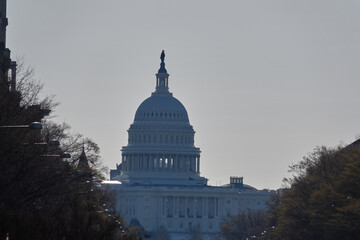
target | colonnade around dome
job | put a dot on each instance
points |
(160, 163)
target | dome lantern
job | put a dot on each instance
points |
(162, 77)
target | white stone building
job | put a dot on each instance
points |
(160, 177)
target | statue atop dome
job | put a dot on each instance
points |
(162, 64)
(162, 56)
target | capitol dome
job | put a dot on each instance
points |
(161, 107)
(161, 146)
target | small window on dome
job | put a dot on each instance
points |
(152, 114)
(160, 114)
(156, 114)
(169, 114)
(147, 114)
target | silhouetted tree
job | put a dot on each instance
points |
(44, 192)
(324, 199)
(243, 225)
(196, 233)
(161, 234)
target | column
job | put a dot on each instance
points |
(145, 166)
(182, 163)
(217, 207)
(198, 164)
(179, 163)
(157, 162)
(188, 165)
(203, 207)
(136, 160)
(176, 162)
(123, 163)
(130, 162)
(206, 206)
(174, 206)
(193, 164)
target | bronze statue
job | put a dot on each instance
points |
(162, 56)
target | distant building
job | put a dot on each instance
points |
(161, 185)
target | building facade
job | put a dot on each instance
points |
(158, 182)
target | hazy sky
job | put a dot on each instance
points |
(264, 82)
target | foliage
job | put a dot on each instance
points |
(196, 233)
(44, 195)
(324, 199)
(243, 225)
(161, 234)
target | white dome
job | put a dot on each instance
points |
(161, 108)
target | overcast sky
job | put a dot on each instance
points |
(264, 82)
